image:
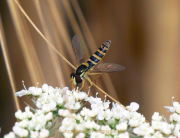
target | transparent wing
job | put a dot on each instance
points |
(78, 48)
(107, 68)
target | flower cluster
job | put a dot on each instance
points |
(67, 112)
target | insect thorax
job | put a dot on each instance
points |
(81, 69)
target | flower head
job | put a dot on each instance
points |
(67, 110)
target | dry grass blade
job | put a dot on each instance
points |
(7, 62)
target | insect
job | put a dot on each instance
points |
(91, 66)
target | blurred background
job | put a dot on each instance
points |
(145, 38)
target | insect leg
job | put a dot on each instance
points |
(82, 85)
(97, 77)
(89, 82)
(71, 83)
(99, 74)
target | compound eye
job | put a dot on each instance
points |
(72, 75)
(78, 79)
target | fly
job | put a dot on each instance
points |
(91, 66)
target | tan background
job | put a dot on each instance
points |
(145, 39)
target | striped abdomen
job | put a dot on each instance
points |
(99, 54)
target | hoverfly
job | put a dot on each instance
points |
(90, 67)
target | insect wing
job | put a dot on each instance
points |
(78, 48)
(107, 68)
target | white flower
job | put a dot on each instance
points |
(10, 135)
(118, 108)
(37, 122)
(178, 135)
(80, 135)
(63, 90)
(157, 134)
(49, 107)
(77, 105)
(170, 109)
(32, 125)
(49, 124)
(68, 123)
(143, 130)
(133, 107)
(46, 108)
(176, 105)
(39, 112)
(34, 134)
(50, 89)
(134, 122)
(27, 109)
(24, 123)
(125, 115)
(96, 126)
(69, 93)
(82, 96)
(52, 106)
(124, 135)
(68, 135)
(99, 120)
(105, 127)
(88, 124)
(111, 121)
(20, 131)
(96, 108)
(175, 108)
(78, 117)
(176, 129)
(18, 114)
(52, 97)
(173, 136)
(60, 100)
(148, 136)
(117, 115)
(156, 117)
(35, 91)
(45, 87)
(29, 114)
(105, 115)
(174, 117)
(97, 135)
(49, 116)
(38, 127)
(79, 127)
(84, 111)
(106, 104)
(64, 113)
(93, 100)
(122, 126)
(44, 133)
(22, 93)
(91, 113)
(166, 128)
(156, 125)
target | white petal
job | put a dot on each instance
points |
(10, 135)
(45, 87)
(44, 133)
(133, 106)
(175, 104)
(22, 93)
